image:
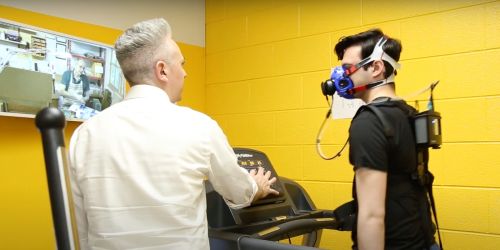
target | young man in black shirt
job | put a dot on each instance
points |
(393, 212)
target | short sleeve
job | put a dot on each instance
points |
(367, 142)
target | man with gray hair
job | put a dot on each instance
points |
(138, 168)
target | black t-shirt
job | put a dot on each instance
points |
(407, 219)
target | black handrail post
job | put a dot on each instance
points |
(51, 122)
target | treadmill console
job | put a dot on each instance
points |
(251, 159)
(292, 200)
(276, 217)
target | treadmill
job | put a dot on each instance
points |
(274, 218)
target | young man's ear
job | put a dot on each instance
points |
(378, 68)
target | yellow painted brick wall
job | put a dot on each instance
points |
(266, 58)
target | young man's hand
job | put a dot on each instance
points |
(264, 183)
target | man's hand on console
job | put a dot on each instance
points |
(264, 183)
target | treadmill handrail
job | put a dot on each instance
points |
(311, 224)
(246, 242)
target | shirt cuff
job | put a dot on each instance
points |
(249, 201)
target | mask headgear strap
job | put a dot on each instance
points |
(377, 54)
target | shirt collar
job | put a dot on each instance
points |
(145, 90)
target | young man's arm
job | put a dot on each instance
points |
(370, 190)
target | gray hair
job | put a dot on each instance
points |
(140, 46)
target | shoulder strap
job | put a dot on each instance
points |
(388, 130)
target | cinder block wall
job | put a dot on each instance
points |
(266, 59)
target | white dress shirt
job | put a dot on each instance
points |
(137, 172)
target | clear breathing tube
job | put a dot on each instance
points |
(320, 136)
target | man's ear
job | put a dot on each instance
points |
(161, 71)
(378, 68)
